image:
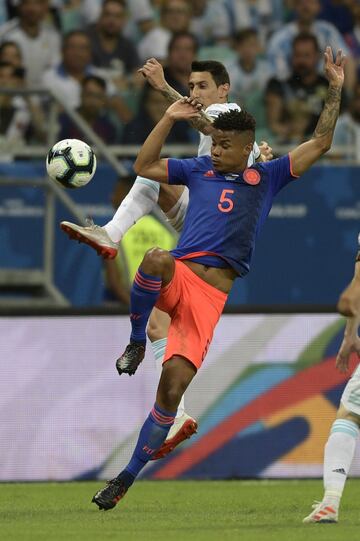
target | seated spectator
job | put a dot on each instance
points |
(113, 54)
(10, 52)
(145, 234)
(181, 54)
(175, 16)
(153, 105)
(280, 46)
(65, 79)
(39, 44)
(93, 110)
(353, 38)
(264, 15)
(210, 22)
(294, 105)
(249, 75)
(347, 131)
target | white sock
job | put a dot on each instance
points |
(339, 453)
(139, 202)
(159, 347)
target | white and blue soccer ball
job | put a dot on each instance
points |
(71, 162)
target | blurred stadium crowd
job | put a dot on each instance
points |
(88, 52)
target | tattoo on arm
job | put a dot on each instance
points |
(326, 123)
(202, 124)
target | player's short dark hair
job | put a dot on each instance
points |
(304, 37)
(235, 120)
(94, 79)
(178, 35)
(217, 70)
(242, 35)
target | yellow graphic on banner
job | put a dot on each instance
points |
(320, 414)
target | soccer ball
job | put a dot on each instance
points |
(71, 162)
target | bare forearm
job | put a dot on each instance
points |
(202, 124)
(325, 127)
(151, 149)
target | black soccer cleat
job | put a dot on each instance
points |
(107, 497)
(130, 359)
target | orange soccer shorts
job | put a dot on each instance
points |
(195, 308)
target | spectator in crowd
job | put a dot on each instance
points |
(15, 116)
(145, 234)
(210, 22)
(264, 15)
(66, 78)
(293, 106)
(114, 54)
(249, 75)
(152, 108)
(280, 46)
(181, 53)
(347, 132)
(353, 38)
(175, 16)
(92, 109)
(10, 52)
(39, 43)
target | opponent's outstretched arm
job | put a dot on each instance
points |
(154, 73)
(305, 155)
(148, 162)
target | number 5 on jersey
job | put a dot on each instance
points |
(226, 204)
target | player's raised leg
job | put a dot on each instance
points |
(176, 376)
(184, 425)
(139, 202)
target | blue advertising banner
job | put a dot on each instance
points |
(304, 254)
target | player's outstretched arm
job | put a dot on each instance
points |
(148, 162)
(305, 155)
(154, 73)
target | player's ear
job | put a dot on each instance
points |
(224, 90)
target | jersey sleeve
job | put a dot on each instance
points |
(280, 173)
(179, 171)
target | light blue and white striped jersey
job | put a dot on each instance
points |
(280, 45)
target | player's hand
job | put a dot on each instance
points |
(153, 71)
(334, 70)
(350, 344)
(184, 109)
(265, 151)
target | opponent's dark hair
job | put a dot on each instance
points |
(218, 71)
(235, 120)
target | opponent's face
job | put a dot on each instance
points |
(230, 150)
(203, 87)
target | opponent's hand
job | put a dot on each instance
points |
(350, 344)
(184, 109)
(265, 151)
(334, 70)
(153, 71)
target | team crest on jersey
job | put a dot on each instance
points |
(251, 176)
(209, 173)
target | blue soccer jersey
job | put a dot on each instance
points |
(225, 212)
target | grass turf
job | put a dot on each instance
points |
(174, 510)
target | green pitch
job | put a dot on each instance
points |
(178, 510)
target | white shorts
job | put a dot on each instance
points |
(176, 215)
(351, 396)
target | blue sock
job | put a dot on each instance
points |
(152, 435)
(144, 294)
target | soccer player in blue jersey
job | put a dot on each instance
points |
(228, 204)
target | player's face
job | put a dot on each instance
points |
(203, 87)
(230, 150)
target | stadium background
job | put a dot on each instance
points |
(268, 392)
